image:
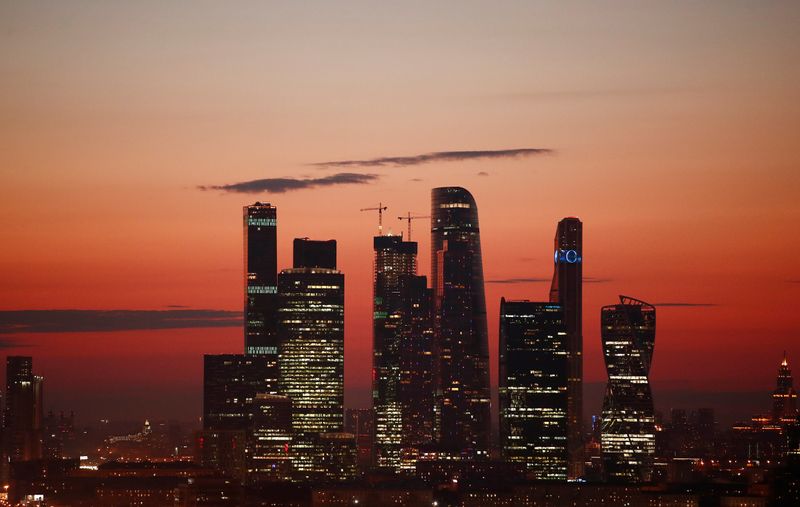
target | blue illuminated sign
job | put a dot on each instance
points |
(568, 256)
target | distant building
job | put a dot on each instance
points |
(269, 439)
(461, 342)
(394, 258)
(784, 398)
(23, 417)
(567, 291)
(628, 422)
(534, 373)
(359, 422)
(260, 283)
(309, 253)
(311, 358)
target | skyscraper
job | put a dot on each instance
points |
(310, 253)
(627, 438)
(461, 340)
(394, 258)
(784, 397)
(534, 371)
(23, 411)
(311, 358)
(261, 281)
(567, 291)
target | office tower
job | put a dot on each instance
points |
(359, 422)
(231, 384)
(23, 412)
(534, 372)
(270, 439)
(416, 390)
(784, 398)
(628, 332)
(261, 280)
(311, 357)
(461, 341)
(567, 290)
(311, 253)
(393, 259)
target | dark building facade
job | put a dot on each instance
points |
(310, 253)
(23, 417)
(567, 291)
(260, 283)
(784, 397)
(534, 372)
(394, 258)
(627, 438)
(461, 341)
(311, 358)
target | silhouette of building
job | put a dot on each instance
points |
(311, 358)
(567, 291)
(269, 439)
(461, 342)
(784, 398)
(260, 281)
(416, 392)
(628, 422)
(23, 418)
(393, 259)
(311, 253)
(534, 372)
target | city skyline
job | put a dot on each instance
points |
(668, 131)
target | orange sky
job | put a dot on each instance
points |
(674, 129)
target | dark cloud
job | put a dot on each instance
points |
(680, 304)
(281, 185)
(67, 321)
(438, 156)
(518, 280)
(483, 173)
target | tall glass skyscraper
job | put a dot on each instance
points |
(22, 431)
(784, 397)
(261, 284)
(394, 258)
(567, 291)
(627, 435)
(461, 340)
(533, 367)
(311, 357)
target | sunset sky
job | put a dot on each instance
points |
(671, 129)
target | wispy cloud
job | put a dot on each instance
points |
(681, 304)
(438, 156)
(592, 279)
(517, 280)
(590, 94)
(792, 281)
(67, 321)
(483, 173)
(281, 185)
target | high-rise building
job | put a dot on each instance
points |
(310, 253)
(234, 424)
(461, 341)
(567, 291)
(260, 283)
(394, 258)
(784, 397)
(311, 358)
(22, 430)
(628, 333)
(534, 372)
(416, 390)
(269, 439)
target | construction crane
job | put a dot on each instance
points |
(380, 209)
(411, 217)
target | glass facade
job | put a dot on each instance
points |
(394, 258)
(311, 358)
(567, 291)
(627, 435)
(461, 348)
(534, 370)
(260, 291)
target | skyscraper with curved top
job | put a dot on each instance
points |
(627, 439)
(461, 343)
